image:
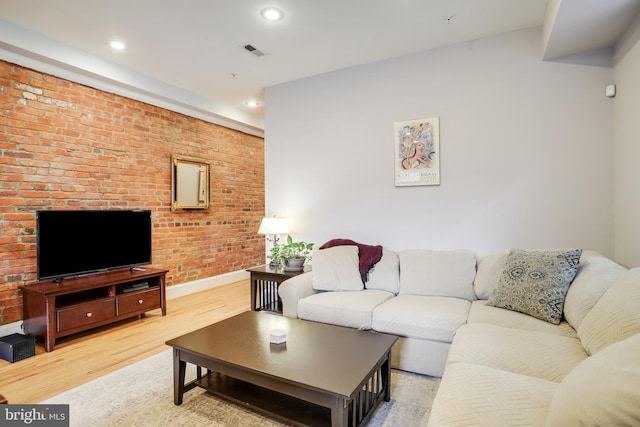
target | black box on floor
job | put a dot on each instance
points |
(16, 347)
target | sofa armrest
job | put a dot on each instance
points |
(294, 289)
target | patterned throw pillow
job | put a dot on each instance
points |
(535, 282)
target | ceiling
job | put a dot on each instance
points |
(189, 55)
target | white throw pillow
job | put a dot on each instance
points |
(595, 275)
(615, 317)
(337, 269)
(385, 274)
(602, 390)
(489, 270)
(438, 273)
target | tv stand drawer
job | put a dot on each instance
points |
(74, 317)
(138, 302)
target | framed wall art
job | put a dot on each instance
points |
(417, 152)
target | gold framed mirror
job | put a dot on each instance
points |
(189, 183)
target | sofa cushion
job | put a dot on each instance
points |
(438, 273)
(601, 391)
(424, 317)
(489, 270)
(615, 317)
(537, 354)
(385, 274)
(475, 395)
(595, 275)
(482, 313)
(336, 269)
(535, 282)
(349, 308)
(426, 357)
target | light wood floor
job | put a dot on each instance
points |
(82, 358)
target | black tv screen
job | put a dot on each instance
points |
(78, 242)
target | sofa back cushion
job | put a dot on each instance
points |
(615, 316)
(385, 274)
(438, 273)
(602, 390)
(596, 274)
(336, 269)
(489, 270)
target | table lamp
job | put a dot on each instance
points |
(273, 226)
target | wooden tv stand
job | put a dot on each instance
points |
(52, 310)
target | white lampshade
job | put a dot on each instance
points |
(273, 225)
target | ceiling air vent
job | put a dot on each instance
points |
(253, 50)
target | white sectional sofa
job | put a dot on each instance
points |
(499, 366)
(424, 306)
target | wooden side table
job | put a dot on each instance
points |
(264, 286)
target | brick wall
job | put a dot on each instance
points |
(68, 146)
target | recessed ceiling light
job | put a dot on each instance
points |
(251, 104)
(272, 14)
(117, 45)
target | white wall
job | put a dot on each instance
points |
(627, 147)
(526, 151)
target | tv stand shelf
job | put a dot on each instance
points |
(56, 309)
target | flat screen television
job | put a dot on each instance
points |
(74, 242)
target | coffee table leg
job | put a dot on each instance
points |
(179, 368)
(339, 413)
(386, 377)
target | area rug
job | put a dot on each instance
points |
(142, 395)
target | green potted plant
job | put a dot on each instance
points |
(291, 255)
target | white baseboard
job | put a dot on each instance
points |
(11, 328)
(187, 288)
(173, 291)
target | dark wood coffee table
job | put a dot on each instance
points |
(322, 375)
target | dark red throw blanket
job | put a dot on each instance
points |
(368, 255)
